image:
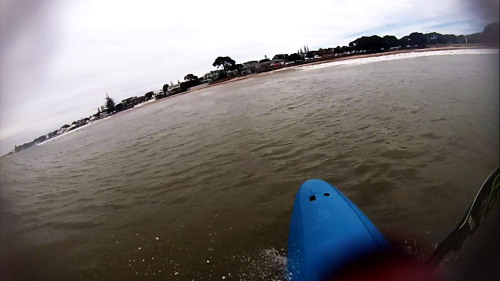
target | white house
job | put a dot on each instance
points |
(251, 65)
(231, 73)
(212, 76)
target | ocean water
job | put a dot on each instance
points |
(201, 186)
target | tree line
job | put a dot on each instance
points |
(371, 44)
(364, 44)
(376, 43)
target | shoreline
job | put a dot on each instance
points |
(292, 67)
(403, 51)
(329, 60)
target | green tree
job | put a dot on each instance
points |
(119, 107)
(322, 52)
(294, 57)
(419, 39)
(390, 41)
(375, 43)
(149, 95)
(110, 104)
(191, 77)
(405, 41)
(450, 39)
(370, 44)
(225, 62)
(435, 38)
(490, 33)
(280, 57)
(238, 67)
(345, 49)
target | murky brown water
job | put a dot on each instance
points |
(201, 186)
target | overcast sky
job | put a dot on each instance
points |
(58, 59)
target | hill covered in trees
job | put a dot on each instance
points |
(375, 43)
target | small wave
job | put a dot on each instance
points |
(399, 154)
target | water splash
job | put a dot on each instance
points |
(268, 264)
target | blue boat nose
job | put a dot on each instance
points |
(327, 231)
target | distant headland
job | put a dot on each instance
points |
(229, 69)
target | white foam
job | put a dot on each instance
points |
(144, 103)
(359, 61)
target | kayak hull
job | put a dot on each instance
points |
(327, 232)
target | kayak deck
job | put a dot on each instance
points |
(327, 231)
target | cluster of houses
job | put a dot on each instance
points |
(213, 76)
(64, 129)
(248, 67)
(360, 45)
